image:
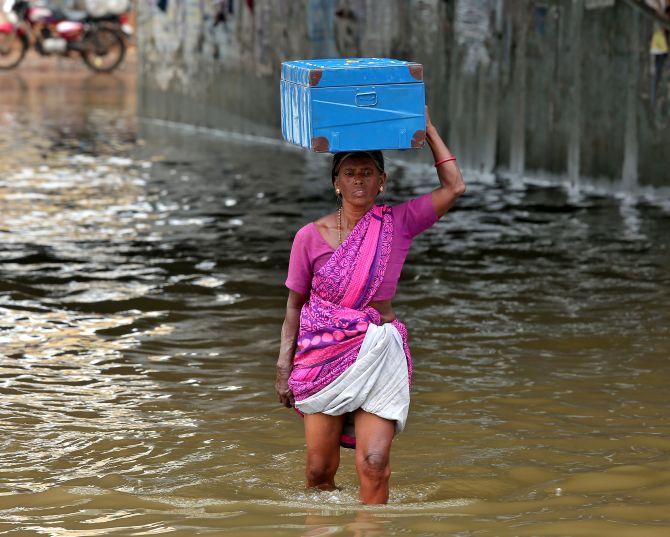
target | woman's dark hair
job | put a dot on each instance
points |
(376, 156)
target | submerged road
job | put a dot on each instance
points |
(141, 297)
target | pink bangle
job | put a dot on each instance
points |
(448, 159)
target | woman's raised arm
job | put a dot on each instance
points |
(451, 180)
(289, 336)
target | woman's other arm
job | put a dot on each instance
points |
(289, 337)
(451, 180)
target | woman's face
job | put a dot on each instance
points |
(359, 180)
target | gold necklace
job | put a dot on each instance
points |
(339, 224)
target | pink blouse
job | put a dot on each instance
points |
(310, 251)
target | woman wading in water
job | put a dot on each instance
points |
(344, 362)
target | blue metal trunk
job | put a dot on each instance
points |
(353, 104)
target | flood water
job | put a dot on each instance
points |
(141, 299)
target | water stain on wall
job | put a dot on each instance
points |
(542, 87)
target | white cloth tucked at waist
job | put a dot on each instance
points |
(377, 381)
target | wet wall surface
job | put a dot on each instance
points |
(141, 298)
(555, 89)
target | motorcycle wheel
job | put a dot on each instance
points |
(13, 49)
(104, 49)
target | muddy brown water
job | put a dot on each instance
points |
(141, 297)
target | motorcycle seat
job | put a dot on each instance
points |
(75, 16)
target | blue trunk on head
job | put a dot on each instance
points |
(354, 104)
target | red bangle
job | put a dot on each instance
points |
(448, 159)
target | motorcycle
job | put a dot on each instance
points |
(55, 32)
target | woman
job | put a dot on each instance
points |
(659, 47)
(344, 363)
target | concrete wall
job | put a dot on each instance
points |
(536, 87)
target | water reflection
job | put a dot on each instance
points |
(141, 272)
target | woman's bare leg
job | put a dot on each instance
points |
(373, 451)
(322, 433)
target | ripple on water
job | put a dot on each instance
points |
(141, 299)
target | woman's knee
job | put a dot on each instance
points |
(320, 471)
(374, 465)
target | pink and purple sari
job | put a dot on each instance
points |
(335, 319)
